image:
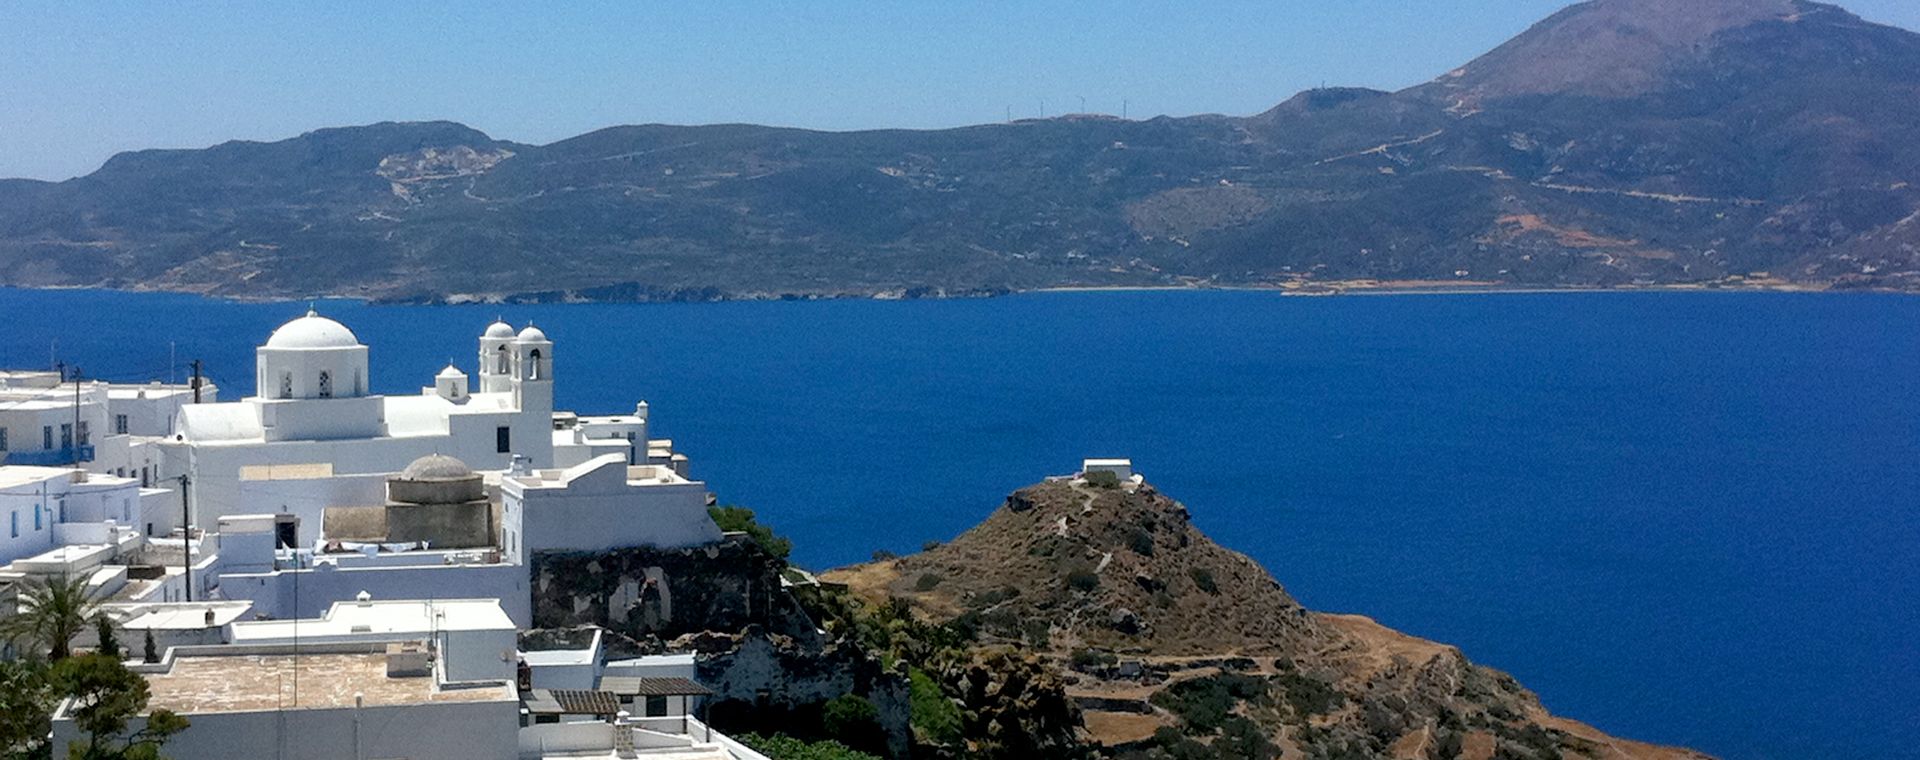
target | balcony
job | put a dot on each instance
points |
(50, 457)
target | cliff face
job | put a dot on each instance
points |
(1177, 647)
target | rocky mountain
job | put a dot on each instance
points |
(1721, 143)
(1175, 647)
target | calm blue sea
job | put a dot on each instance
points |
(1683, 518)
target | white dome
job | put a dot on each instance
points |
(532, 334)
(451, 372)
(312, 331)
(499, 330)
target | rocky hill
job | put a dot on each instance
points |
(1722, 143)
(1173, 646)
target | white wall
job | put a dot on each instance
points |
(318, 588)
(30, 512)
(430, 731)
(600, 510)
(308, 499)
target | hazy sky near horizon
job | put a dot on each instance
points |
(82, 81)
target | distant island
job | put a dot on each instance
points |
(1618, 143)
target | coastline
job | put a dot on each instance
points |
(1329, 288)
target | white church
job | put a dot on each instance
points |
(313, 418)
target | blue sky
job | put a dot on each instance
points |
(81, 81)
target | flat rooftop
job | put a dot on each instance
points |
(378, 618)
(15, 475)
(239, 683)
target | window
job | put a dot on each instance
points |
(3, 439)
(119, 424)
(37, 518)
(286, 385)
(503, 440)
(66, 435)
(14, 518)
(84, 436)
(46, 437)
(358, 387)
(533, 365)
(500, 362)
(656, 707)
(326, 384)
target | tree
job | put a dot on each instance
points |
(103, 627)
(106, 698)
(52, 612)
(853, 720)
(27, 699)
(734, 519)
(781, 747)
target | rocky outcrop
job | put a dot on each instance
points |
(770, 683)
(664, 593)
(1177, 647)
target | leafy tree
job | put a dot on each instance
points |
(788, 748)
(27, 699)
(107, 697)
(853, 719)
(734, 519)
(109, 645)
(935, 716)
(52, 612)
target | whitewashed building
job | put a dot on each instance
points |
(98, 426)
(43, 508)
(313, 414)
(603, 504)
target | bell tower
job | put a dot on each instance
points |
(496, 358)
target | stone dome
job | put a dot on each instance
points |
(436, 479)
(437, 467)
(499, 330)
(312, 331)
(532, 334)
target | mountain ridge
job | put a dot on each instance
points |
(1619, 143)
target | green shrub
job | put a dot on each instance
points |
(1241, 738)
(853, 720)
(1205, 703)
(1103, 479)
(882, 555)
(1083, 579)
(1088, 659)
(935, 717)
(1141, 542)
(734, 519)
(780, 747)
(929, 546)
(1308, 695)
(1203, 578)
(927, 581)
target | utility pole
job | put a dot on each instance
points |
(186, 533)
(76, 417)
(196, 381)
